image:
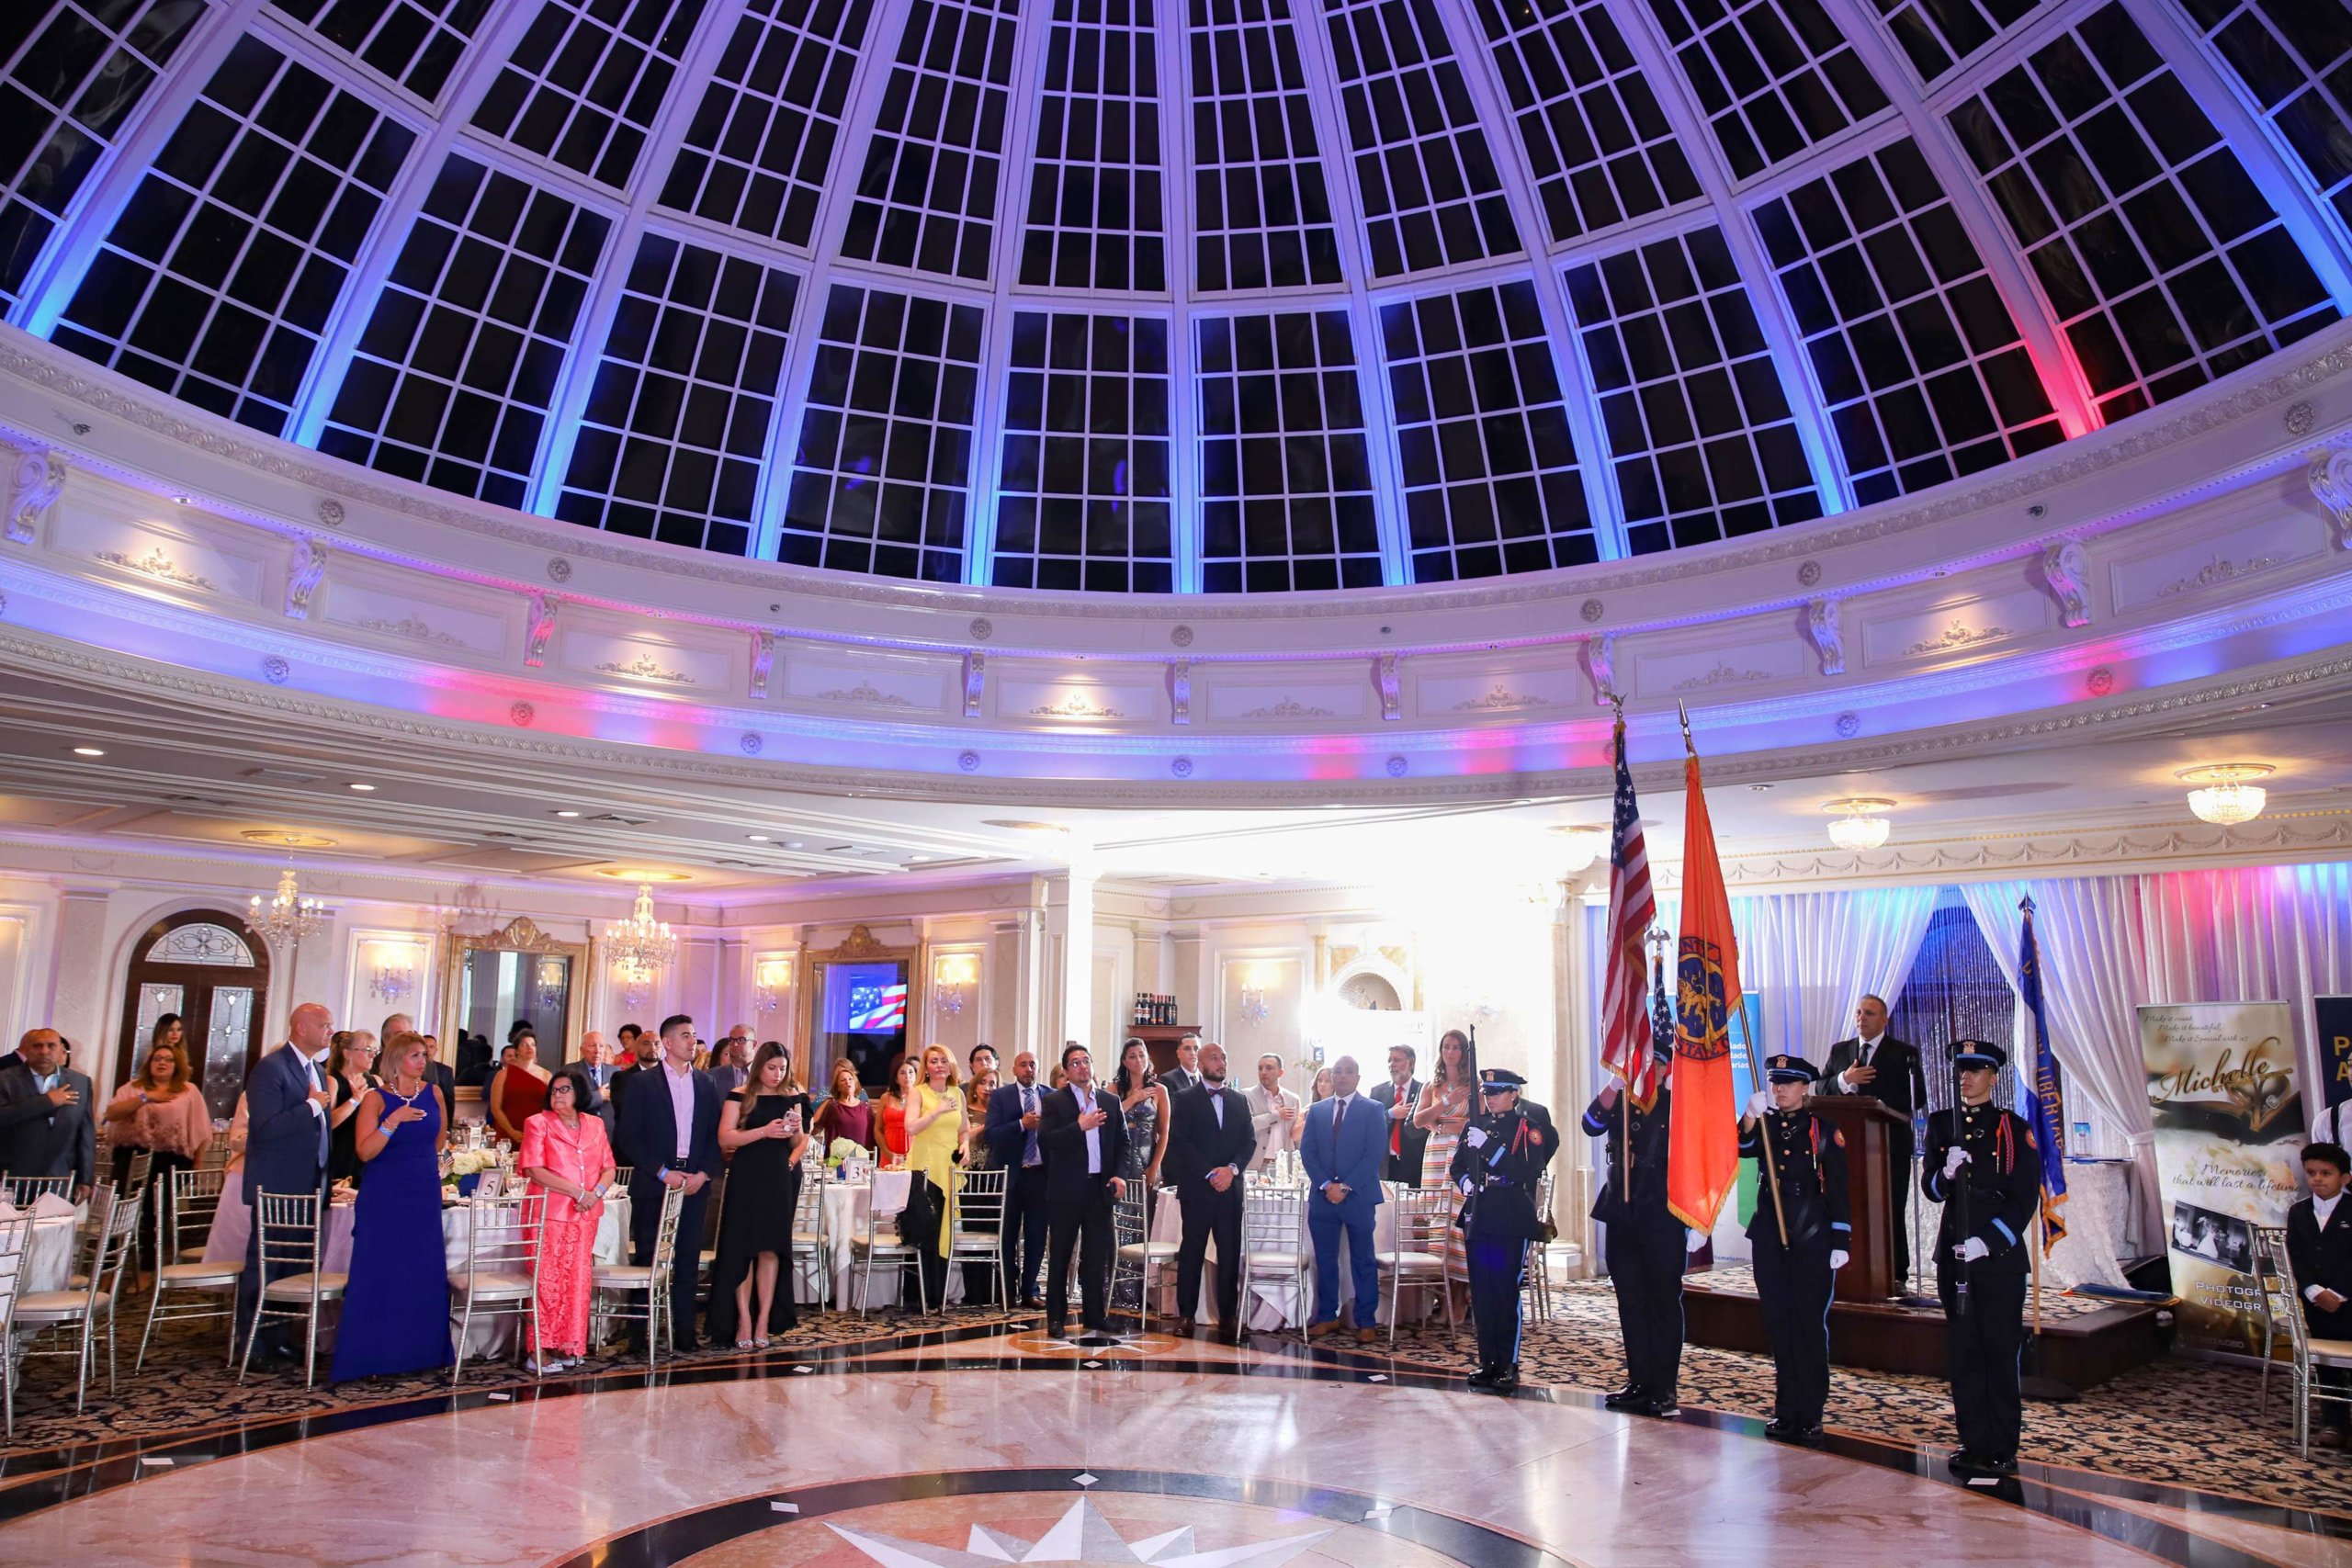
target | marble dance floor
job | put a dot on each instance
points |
(990, 1448)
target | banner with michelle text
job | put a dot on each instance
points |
(2229, 1134)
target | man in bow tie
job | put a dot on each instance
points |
(287, 1100)
(1210, 1143)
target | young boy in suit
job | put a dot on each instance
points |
(2319, 1244)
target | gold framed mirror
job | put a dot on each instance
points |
(861, 1000)
(514, 973)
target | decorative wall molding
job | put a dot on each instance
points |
(763, 664)
(976, 677)
(1076, 704)
(411, 627)
(303, 575)
(2331, 485)
(1499, 698)
(1392, 697)
(866, 695)
(1287, 707)
(646, 667)
(39, 481)
(2216, 572)
(1721, 674)
(1180, 691)
(159, 566)
(1821, 625)
(1600, 667)
(544, 607)
(1958, 635)
(2066, 571)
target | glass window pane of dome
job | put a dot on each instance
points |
(755, 153)
(416, 44)
(1489, 465)
(927, 197)
(1083, 499)
(1286, 484)
(881, 482)
(1424, 170)
(453, 375)
(1915, 355)
(675, 435)
(1601, 149)
(1691, 405)
(1095, 198)
(2295, 63)
(218, 279)
(1936, 35)
(76, 74)
(1261, 213)
(1773, 77)
(583, 86)
(2163, 260)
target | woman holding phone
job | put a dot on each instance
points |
(761, 1128)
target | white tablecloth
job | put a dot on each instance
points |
(845, 1204)
(233, 1225)
(2098, 1210)
(50, 1265)
(1274, 1301)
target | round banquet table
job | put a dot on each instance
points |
(1274, 1302)
(50, 1263)
(493, 1337)
(233, 1225)
(2098, 1210)
(845, 1204)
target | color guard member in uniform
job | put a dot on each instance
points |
(1644, 1248)
(1496, 1165)
(1983, 1168)
(1793, 1282)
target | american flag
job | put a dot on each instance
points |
(1625, 1008)
(873, 1008)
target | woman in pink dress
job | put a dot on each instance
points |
(568, 1157)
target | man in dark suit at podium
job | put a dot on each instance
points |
(1876, 1064)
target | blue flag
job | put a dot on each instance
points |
(2048, 1114)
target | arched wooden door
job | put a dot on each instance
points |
(207, 966)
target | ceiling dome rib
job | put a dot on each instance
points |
(599, 260)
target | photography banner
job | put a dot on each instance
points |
(2331, 1029)
(2229, 1132)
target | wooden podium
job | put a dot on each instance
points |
(1874, 1193)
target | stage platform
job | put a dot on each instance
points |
(2083, 1342)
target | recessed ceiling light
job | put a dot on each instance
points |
(566, 814)
(639, 874)
(88, 752)
(362, 788)
(918, 857)
(795, 844)
(757, 838)
(179, 501)
(1019, 825)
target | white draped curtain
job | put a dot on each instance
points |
(1809, 957)
(2252, 934)
(2094, 978)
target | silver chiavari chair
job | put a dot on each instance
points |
(83, 1313)
(650, 1279)
(974, 1237)
(292, 1231)
(186, 1208)
(1418, 1255)
(879, 1238)
(1275, 1244)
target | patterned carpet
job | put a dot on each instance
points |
(2183, 1422)
(187, 1390)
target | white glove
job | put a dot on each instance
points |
(1972, 1249)
(1760, 1102)
(1693, 1240)
(1837, 1261)
(1954, 1159)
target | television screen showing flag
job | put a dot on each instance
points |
(876, 1008)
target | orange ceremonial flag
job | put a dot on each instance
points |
(1703, 1144)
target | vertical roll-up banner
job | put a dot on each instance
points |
(2229, 1113)
(2332, 1033)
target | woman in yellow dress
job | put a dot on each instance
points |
(935, 1133)
(1445, 1111)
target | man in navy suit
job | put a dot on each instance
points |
(1084, 1135)
(45, 1113)
(286, 1102)
(669, 1133)
(1015, 1111)
(1343, 1147)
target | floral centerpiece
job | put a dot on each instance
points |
(841, 1149)
(467, 1165)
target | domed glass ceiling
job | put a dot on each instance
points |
(1153, 296)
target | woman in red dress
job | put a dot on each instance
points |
(894, 1109)
(518, 1090)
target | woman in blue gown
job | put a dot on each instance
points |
(396, 1306)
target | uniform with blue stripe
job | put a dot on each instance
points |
(1794, 1283)
(1496, 1167)
(2004, 1180)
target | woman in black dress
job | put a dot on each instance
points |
(350, 1059)
(761, 1127)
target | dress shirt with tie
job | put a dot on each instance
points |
(682, 1109)
(1029, 1155)
(2321, 1209)
(312, 1067)
(1863, 1051)
(1085, 1098)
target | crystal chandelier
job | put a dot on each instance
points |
(288, 916)
(1860, 827)
(641, 946)
(2225, 797)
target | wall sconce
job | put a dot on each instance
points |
(1254, 1009)
(391, 982)
(951, 983)
(770, 980)
(554, 978)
